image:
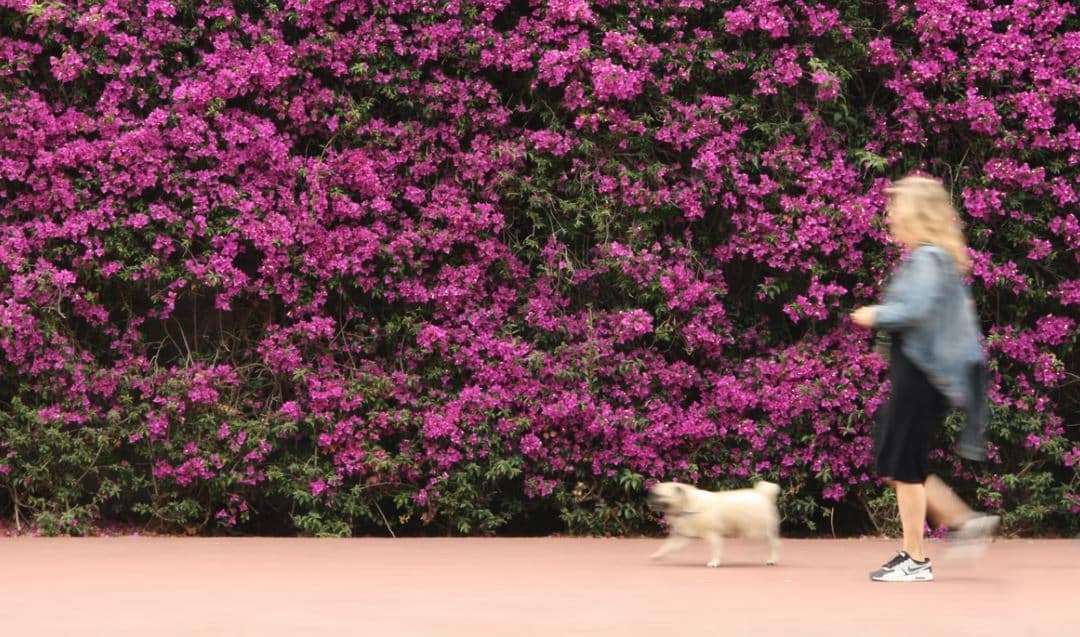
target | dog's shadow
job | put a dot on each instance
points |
(723, 565)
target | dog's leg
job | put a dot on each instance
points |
(671, 544)
(773, 536)
(716, 541)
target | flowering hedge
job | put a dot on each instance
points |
(324, 267)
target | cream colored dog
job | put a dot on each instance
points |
(714, 515)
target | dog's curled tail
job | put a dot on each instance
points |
(768, 488)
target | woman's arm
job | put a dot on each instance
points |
(913, 292)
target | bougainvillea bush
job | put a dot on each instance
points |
(431, 266)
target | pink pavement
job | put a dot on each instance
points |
(163, 586)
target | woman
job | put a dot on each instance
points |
(936, 361)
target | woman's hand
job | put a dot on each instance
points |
(864, 316)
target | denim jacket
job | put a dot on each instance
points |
(929, 303)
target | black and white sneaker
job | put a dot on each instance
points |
(903, 568)
(970, 539)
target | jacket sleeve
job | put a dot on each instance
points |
(912, 293)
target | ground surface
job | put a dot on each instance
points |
(544, 586)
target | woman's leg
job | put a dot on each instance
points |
(944, 507)
(911, 500)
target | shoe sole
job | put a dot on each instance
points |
(918, 578)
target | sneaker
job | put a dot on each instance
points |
(903, 568)
(970, 539)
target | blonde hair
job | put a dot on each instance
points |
(929, 215)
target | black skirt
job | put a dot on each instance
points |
(908, 424)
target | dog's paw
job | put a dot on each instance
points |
(657, 555)
(713, 564)
(771, 563)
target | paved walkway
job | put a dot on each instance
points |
(543, 586)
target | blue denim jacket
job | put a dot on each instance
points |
(929, 303)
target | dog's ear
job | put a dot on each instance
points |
(681, 494)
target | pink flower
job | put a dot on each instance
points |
(828, 86)
(833, 492)
(68, 67)
(291, 409)
(570, 10)
(531, 445)
(613, 82)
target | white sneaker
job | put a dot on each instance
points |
(903, 568)
(970, 539)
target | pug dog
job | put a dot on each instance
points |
(714, 515)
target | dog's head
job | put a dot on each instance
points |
(668, 497)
